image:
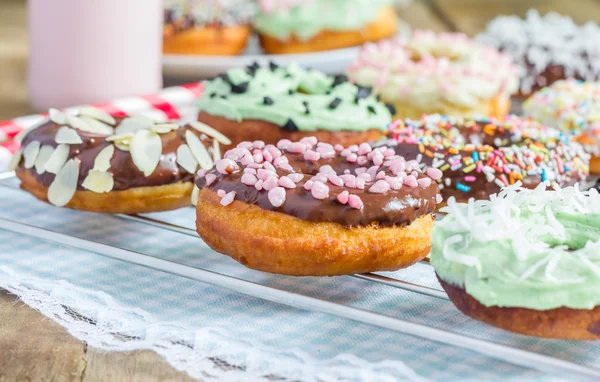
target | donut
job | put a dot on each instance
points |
(308, 208)
(574, 107)
(480, 156)
(95, 162)
(546, 48)
(293, 26)
(218, 27)
(525, 261)
(273, 103)
(429, 73)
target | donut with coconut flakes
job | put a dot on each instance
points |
(308, 208)
(94, 162)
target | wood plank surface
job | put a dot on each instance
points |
(471, 16)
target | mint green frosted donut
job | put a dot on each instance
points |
(525, 248)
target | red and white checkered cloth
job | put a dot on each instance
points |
(171, 103)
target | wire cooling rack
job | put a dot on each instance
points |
(498, 351)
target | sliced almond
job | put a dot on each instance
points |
(63, 187)
(134, 124)
(66, 135)
(97, 114)
(204, 128)
(164, 128)
(186, 159)
(102, 161)
(146, 149)
(216, 151)
(57, 116)
(195, 194)
(43, 156)
(96, 126)
(122, 147)
(58, 159)
(15, 160)
(30, 153)
(198, 150)
(98, 181)
(120, 137)
(78, 123)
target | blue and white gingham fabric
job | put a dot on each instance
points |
(172, 299)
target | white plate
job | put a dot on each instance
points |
(330, 62)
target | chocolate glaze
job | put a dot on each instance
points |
(394, 208)
(125, 173)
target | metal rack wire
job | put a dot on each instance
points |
(498, 351)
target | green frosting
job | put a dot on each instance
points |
(306, 20)
(293, 98)
(531, 249)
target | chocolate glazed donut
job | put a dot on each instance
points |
(94, 162)
(309, 209)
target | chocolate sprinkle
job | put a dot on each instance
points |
(290, 92)
(213, 95)
(339, 79)
(251, 69)
(363, 91)
(371, 109)
(290, 126)
(391, 108)
(335, 103)
(306, 110)
(267, 101)
(240, 88)
(273, 66)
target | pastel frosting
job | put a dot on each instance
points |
(304, 19)
(294, 98)
(523, 248)
(572, 106)
(201, 12)
(431, 71)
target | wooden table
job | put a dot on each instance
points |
(34, 348)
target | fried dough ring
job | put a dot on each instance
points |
(270, 133)
(274, 242)
(132, 201)
(561, 323)
(210, 41)
(384, 26)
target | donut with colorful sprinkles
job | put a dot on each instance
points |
(526, 260)
(309, 208)
(273, 102)
(479, 156)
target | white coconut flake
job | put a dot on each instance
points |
(58, 159)
(45, 153)
(102, 161)
(204, 128)
(66, 135)
(63, 187)
(186, 159)
(30, 153)
(97, 114)
(146, 149)
(98, 181)
(15, 160)
(57, 116)
(198, 150)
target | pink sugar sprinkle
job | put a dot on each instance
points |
(286, 182)
(248, 170)
(355, 202)
(258, 144)
(380, 175)
(380, 187)
(378, 159)
(321, 177)
(352, 158)
(336, 180)
(347, 171)
(411, 181)
(309, 140)
(364, 148)
(326, 151)
(353, 148)
(210, 178)
(469, 178)
(362, 160)
(388, 153)
(249, 179)
(287, 167)
(326, 169)
(397, 165)
(297, 147)
(343, 197)
(345, 152)
(360, 184)
(267, 156)
(338, 147)
(263, 174)
(424, 182)
(311, 155)
(438, 198)
(246, 160)
(479, 167)
(201, 173)
(227, 199)
(373, 170)
(268, 166)
(414, 164)
(364, 176)
(434, 173)
(408, 167)
(319, 190)
(274, 151)
(279, 161)
(295, 177)
(360, 170)
(277, 196)
(283, 144)
(270, 183)
(244, 145)
(221, 193)
(415, 174)
(394, 182)
(259, 184)
(308, 185)
(258, 157)
(254, 165)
